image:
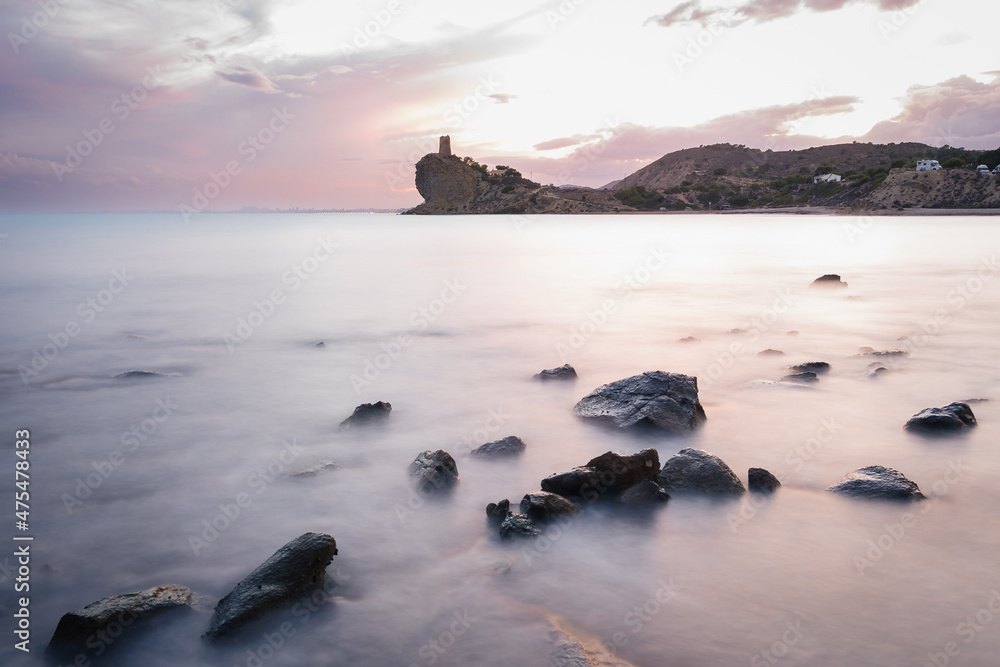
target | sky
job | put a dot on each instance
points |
(194, 105)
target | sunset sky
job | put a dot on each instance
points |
(327, 104)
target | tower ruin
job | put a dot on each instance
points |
(444, 147)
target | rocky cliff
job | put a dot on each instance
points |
(450, 186)
(945, 188)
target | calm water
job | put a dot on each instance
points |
(447, 319)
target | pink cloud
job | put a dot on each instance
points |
(762, 11)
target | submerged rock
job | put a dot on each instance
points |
(770, 353)
(518, 525)
(689, 339)
(817, 367)
(952, 418)
(367, 413)
(874, 370)
(545, 506)
(774, 384)
(877, 482)
(564, 372)
(662, 401)
(312, 471)
(293, 569)
(433, 472)
(115, 616)
(139, 375)
(646, 492)
(604, 476)
(807, 376)
(872, 352)
(507, 447)
(696, 471)
(762, 481)
(829, 280)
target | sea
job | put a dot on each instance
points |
(172, 378)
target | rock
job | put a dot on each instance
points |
(544, 506)
(570, 650)
(871, 352)
(114, 616)
(818, 367)
(295, 568)
(829, 280)
(564, 372)
(770, 353)
(646, 492)
(695, 471)
(139, 375)
(497, 512)
(874, 370)
(762, 481)
(808, 376)
(509, 446)
(433, 472)
(791, 333)
(952, 418)
(662, 401)
(604, 476)
(320, 344)
(773, 384)
(689, 339)
(518, 525)
(877, 482)
(737, 331)
(312, 471)
(367, 413)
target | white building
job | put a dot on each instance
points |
(827, 178)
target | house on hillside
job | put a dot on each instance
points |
(827, 178)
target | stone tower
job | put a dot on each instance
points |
(445, 145)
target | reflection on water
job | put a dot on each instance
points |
(135, 479)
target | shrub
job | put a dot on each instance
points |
(508, 189)
(720, 171)
(639, 197)
(953, 163)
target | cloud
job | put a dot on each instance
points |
(762, 11)
(958, 112)
(248, 76)
(563, 142)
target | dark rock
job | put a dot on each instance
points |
(368, 413)
(564, 372)
(321, 344)
(646, 492)
(509, 446)
(872, 352)
(497, 512)
(817, 367)
(138, 375)
(312, 471)
(952, 418)
(433, 472)
(762, 481)
(127, 612)
(657, 400)
(877, 482)
(829, 280)
(604, 476)
(874, 370)
(808, 376)
(295, 568)
(695, 471)
(689, 339)
(544, 506)
(518, 525)
(770, 353)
